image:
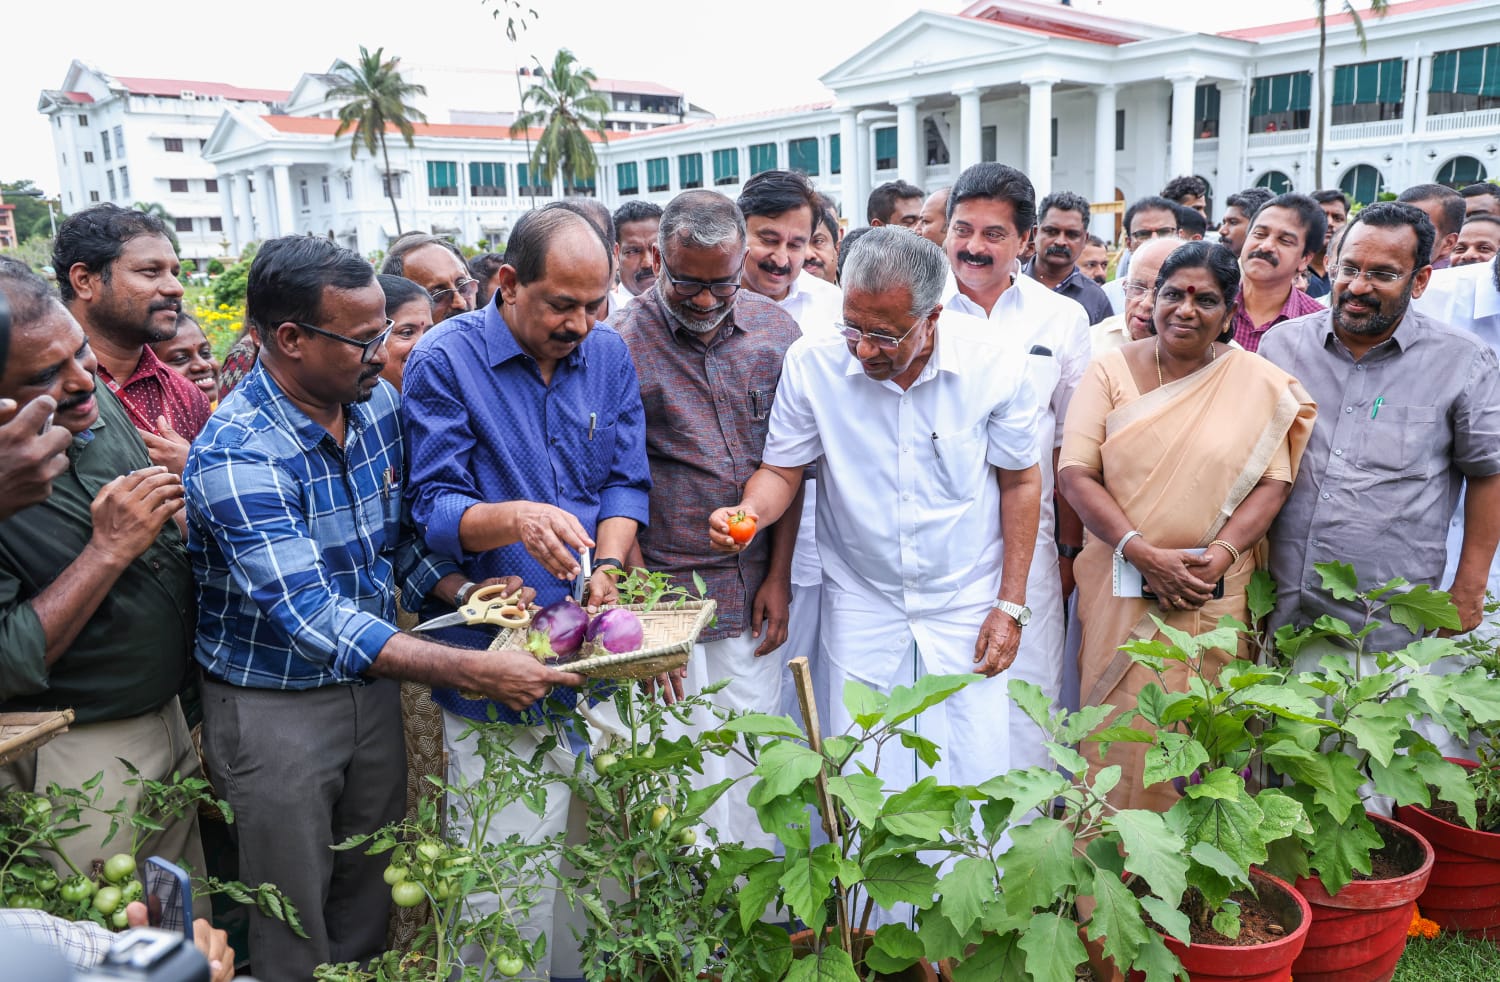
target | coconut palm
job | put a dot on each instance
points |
(376, 97)
(156, 210)
(563, 102)
(1378, 8)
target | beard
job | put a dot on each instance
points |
(692, 324)
(1383, 315)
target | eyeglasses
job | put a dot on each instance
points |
(467, 286)
(882, 341)
(367, 349)
(1147, 234)
(1135, 288)
(688, 289)
(1342, 272)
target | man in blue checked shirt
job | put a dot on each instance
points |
(528, 445)
(297, 545)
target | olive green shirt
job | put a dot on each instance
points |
(131, 656)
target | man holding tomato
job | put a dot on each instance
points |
(923, 428)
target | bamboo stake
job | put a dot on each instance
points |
(808, 703)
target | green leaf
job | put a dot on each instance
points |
(1402, 780)
(699, 800)
(1478, 695)
(1033, 702)
(1452, 783)
(1158, 963)
(1261, 593)
(1423, 609)
(1174, 755)
(895, 947)
(928, 752)
(1168, 917)
(1227, 921)
(996, 957)
(929, 690)
(861, 794)
(785, 765)
(1052, 946)
(967, 890)
(1341, 850)
(905, 878)
(1031, 788)
(1376, 726)
(1153, 852)
(832, 964)
(922, 811)
(763, 724)
(940, 939)
(1038, 866)
(760, 889)
(807, 882)
(1228, 821)
(1117, 919)
(864, 704)
(1339, 580)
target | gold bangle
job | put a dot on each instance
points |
(1234, 553)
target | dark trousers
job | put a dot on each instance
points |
(303, 771)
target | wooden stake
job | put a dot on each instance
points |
(802, 679)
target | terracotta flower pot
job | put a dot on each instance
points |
(1358, 934)
(1464, 891)
(922, 971)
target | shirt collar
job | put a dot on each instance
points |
(500, 344)
(950, 362)
(148, 366)
(272, 401)
(1407, 333)
(1029, 270)
(681, 334)
(954, 296)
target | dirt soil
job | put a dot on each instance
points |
(1260, 923)
(1399, 856)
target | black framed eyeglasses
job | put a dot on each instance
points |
(688, 289)
(882, 341)
(1147, 234)
(367, 349)
(467, 286)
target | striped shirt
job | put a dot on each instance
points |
(298, 544)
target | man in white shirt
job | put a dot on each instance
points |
(923, 430)
(991, 214)
(635, 224)
(780, 207)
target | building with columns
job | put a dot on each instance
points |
(1105, 107)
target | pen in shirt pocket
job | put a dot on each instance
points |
(756, 410)
(593, 419)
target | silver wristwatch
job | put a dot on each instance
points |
(1020, 613)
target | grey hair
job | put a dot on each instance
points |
(701, 220)
(892, 256)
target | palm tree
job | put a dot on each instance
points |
(1378, 8)
(155, 210)
(376, 97)
(563, 102)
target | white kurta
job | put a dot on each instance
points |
(909, 520)
(1054, 333)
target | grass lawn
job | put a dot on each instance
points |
(1448, 958)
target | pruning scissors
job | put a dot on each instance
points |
(486, 605)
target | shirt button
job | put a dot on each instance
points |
(1348, 409)
(1359, 368)
(1326, 496)
(907, 496)
(1338, 453)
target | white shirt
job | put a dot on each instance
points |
(815, 305)
(1109, 334)
(1115, 290)
(909, 509)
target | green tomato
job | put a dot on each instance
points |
(395, 874)
(45, 882)
(77, 889)
(119, 867)
(27, 899)
(408, 894)
(605, 762)
(119, 920)
(687, 837)
(660, 815)
(643, 865)
(106, 900)
(131, 890)
(509, 963)
(429, 850)
(38, 811)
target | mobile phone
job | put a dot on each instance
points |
(1218, 594)
(169, 897)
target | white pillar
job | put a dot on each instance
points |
(1039, 135)
(853, 209)
(970, 138)
(863, 165)
(1104, 158)
(265, 207)
(1184, 89)
(285, 222)
(1417, 66)
(911, 147)
(1232, 134)
(226, 212)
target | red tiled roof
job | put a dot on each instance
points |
(719, 120)
(79, 97)
(175, 86)
(320, 126)
(1335, 20)
(1037, 19)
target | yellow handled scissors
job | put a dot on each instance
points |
(486, 605)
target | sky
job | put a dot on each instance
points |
(728, 58)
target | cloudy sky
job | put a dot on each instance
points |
(728, 58)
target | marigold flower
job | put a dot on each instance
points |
(1421, 927)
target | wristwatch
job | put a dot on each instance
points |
(1068, 552)
(1020, 613)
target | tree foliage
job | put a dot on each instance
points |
(376, 98)
(30, 215)
(1378, 8)
(562, 101)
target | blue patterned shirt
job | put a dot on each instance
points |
(296, 543)
(484, 427)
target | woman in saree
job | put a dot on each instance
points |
(1174, 443)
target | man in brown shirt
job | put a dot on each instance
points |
(709, 358)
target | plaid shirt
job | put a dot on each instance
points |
(1249, 334)
(708, 406)
(82, 944)
(297, 544)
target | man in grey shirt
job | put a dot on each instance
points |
(1408, 414)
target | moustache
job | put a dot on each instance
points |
(969, 257)
(173, 305)
(565, 337)
(1373, 303)
(74, 402)
(813, 262)
(769, 267)
(643, 274)
(1062, 252)
(1267, 256)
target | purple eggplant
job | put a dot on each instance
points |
(557, 632)
(616, 630)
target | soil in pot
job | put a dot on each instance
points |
(802, 943)
(1464, 891)
(1358, 934)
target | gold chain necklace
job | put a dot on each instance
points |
(1159, 380)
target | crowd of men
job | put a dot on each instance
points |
(887, 400)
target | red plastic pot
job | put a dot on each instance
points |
(922, 971)
(1358, 934)
(1464, 891)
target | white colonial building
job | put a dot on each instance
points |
(1105, 107)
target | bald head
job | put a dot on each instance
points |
(932, 221)
(1145, 264)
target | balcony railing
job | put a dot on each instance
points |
(1281, 138)
(1478, 119)
(1380, 129)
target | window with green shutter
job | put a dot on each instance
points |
(1206, 111)
(658, 175)
(442, 178)
(486, 179)
(1460, 172)
(1464, 80)
(1281, 102)
(885, 148)
(835, 154)
(1275, 181)
(803, 155)
(584, 185)
(726, 166)
(762, 157)
(524, 187)
(627, 179)
(1369, 91)
(690, 171)
(1362, 184)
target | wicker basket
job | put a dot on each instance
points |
(668, 636)
(22, 733)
